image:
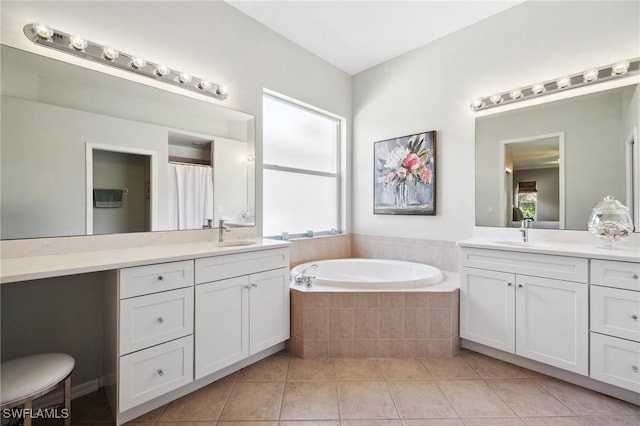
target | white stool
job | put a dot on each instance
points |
(30, 377)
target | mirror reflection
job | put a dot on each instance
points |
(88, 153)
(552, 163)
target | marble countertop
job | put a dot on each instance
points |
(55, 265)
(623, 252)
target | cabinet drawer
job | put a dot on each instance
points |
(538, 265)
(615, 361)
(142, 280)
(147, 374)
(156, 318)
(615, 312)
(616, 274)
(234, 265)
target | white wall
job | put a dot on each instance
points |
(431, 88)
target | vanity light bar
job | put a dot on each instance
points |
(567, 82)
(55, 39)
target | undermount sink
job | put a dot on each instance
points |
(236, 243)
(522, 244)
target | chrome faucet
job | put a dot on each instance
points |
(221, 230)
(301, 278)
(524, 229)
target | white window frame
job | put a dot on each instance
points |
(338, 175)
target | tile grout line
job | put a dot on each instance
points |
(284, 389)
(386, 385)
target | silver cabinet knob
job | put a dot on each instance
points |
(245, 286)
(254, 285)
(634, 276)
(634, 317)
(509, 284)
(160, 320)
(160, 372)
(520, 286)
(160, 278)
(635, 368)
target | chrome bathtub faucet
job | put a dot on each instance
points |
(301, 278)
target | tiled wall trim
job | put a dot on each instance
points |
(441, 254)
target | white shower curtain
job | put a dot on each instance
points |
(190, 196)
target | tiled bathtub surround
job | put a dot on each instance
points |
(374, 325)
(441, 254)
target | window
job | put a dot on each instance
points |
(528, 199)
(301, 177)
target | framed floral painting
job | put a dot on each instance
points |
(405, 175)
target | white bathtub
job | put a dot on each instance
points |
(369, 274)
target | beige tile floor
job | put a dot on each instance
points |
(470, 389)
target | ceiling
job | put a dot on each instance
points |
(356, 35)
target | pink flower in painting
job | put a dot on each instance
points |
(426, 176)
(411, 162)
(402, 173)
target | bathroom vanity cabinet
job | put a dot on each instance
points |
(577, 313)
(516, 303)
(179, 323)
(615, 323)
(240, 310)
(177, 317)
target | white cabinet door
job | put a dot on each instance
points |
(487, 308)
(269, 309)
(552, 322)
(221, 324)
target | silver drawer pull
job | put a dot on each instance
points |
(160, 320)
(160, 278)
(634, 317)
(245, 286)
(160, 372)
(254, 285)
(520, 286)
(635, 368)
(634, 276)
(509, 284)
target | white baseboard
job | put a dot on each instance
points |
(57, 397)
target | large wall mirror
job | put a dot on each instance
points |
(84, 152)
(555, 161)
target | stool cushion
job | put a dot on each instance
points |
(25, 376)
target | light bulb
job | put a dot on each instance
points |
(221, 91)
(590, 76)
(516, 94)
(110, 54)
(496, 99)
(476, 105)
(78, 43)
(563, 82)
(184, 78)
(42, 31)
(138, 63)
(620, 68)
(203, 84)
(538, 88)
(162, 71)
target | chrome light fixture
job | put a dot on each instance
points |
(606, 73)
(49, 37)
